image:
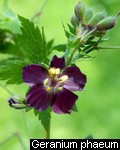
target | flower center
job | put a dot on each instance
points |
(54, 82)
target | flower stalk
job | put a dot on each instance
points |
(108, 47)
(6, 89)
(11, 137)
(68, 61)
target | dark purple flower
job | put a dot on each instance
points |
(53, 87)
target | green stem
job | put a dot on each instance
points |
(38, 14)
(101, 47)
(6, 140)
(6, 89)
(43, 6)
(68, 62)
(25, 124)
(11, 137)
(108, 47)
(20, 140)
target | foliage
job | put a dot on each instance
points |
(44, 117)
(32, 42)
(11, 70)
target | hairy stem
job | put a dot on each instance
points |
(20, 140)
(38, 14)
(25, 124)
(108, 47)
(68, 62)
(6, 89)
(11, 137)
(9, 92)
(6, 140)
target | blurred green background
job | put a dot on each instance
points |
(99, 102)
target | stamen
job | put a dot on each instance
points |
(60, 88)
(63, 78)
(53, 71)
(45, 81)
(48, 88)
(57, 71)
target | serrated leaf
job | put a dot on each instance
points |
(11, 71)
(67, 33)
(32, 42)
(72, 29)
(73, 43)
(36, 112)
(45, 50)
(2, 62)
(50, 45)
(75, 108)
(60, 47)
(45, 117)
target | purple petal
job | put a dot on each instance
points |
(57, 62)
(63, 101)
(34, 74)
(76, 79)
(38, 98)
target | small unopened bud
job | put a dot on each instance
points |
(17, 102)
(79, 11)
(74, 21)
(100, 33)
(87, 16)
(106, 23)
(95, 19)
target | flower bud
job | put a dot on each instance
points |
(87, 16)
(100, 33)
(17, 102)
(95, 19)
(79, 11)
(74, 21)
(106, 23)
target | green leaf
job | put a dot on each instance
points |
(72, 29)
(73, 43)
(44, 117)
(67, 33)
(3, 61)
(32, 42)
(11, 71)
(75, 108)
(50, 45)
(36, 112)
(60, 47)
